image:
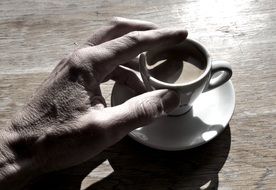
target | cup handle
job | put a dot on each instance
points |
(218, 66)
(144, 72)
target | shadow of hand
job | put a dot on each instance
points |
(139, 167)
(67, 179)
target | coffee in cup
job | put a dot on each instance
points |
(185, 68)
(177, 65)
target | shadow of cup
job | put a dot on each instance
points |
(138, 167)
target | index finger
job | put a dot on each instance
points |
(118, 27)
(107, 56)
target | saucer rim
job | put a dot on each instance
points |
(185, 147)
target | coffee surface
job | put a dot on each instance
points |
(178, 68)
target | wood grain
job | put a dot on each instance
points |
(35, 35)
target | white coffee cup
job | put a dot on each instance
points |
(214, 74)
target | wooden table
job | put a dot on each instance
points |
(35, 35)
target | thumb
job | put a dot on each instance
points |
(141, 110)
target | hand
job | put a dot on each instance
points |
(66, 122)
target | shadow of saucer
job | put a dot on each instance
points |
(138, 167)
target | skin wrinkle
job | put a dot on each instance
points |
(68, 142)
(56, 132)
(11, 165)
(108, 50)
(8, 170)
(155, 110)
(6, 156)
(48, 113)
(91, 86)
(147, 109)
(93, 74)
(60, 115)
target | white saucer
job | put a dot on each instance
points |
(209, 116)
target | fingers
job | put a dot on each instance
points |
(129, 78)
(118, 27)
(107, 56)
(137, 112)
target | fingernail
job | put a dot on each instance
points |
(182, 34)
(170, 101)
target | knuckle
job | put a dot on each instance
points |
(78, 66)
(116, 21)
(134, 37)
(78, 61)
(75, 60)
(147, 110)
(119, 23)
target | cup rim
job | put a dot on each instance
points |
(203, 75)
